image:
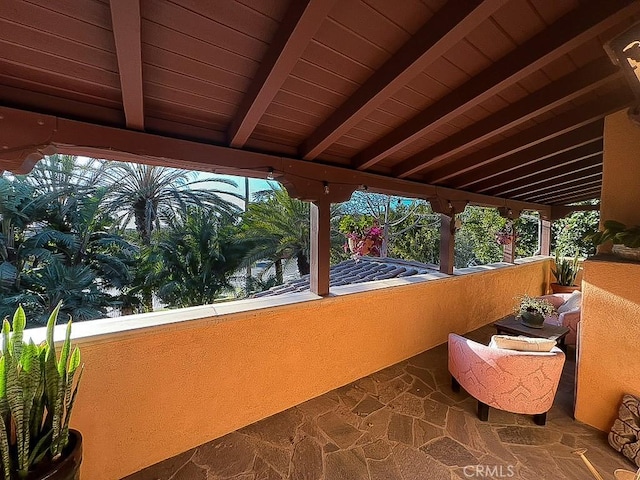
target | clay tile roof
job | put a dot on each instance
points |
(350, 272)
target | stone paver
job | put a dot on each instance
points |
(402, 423)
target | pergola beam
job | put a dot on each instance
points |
(579, 197)
(560, 211)
(320, 255)
(27, 133)
(449, 25)
(302, 21)
(125, 18)
(548, 175)
(570, 192)
(515, 174)
(561, 181)
(544, 100)
(567, 33)
(558, 146)
(581, 116)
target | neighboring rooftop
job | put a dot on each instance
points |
(365, 269)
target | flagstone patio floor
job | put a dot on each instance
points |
(402, 423)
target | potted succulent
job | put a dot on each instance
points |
(626, 240)
(532, 311)
(37, 392)
(566, 270)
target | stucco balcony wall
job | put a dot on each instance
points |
(156, 385)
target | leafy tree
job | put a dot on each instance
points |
(417, 237)
(476, 236)
(194, 259)
(568, 233)
(395, 215)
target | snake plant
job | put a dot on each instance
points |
(37, 392)
(566, 270)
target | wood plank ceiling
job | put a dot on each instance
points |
(500, 97)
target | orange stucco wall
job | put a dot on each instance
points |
(149, 394)
(608, 363)
(621, 170)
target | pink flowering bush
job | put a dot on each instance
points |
(506, 234)
(361, 239)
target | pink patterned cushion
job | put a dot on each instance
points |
(568, 319)
(518, 382)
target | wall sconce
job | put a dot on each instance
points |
(326, 188)
(624, 50)
(270, 174)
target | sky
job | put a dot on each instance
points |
(255, 185)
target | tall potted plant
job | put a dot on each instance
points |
(37, 393)
(565, 270)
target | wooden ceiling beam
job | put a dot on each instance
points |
(515, 172)
(584, 196)
(587, 194)
(125, 19)
(449, 25)
(302, 21)
(572, 178)
(27, 134)
(464, 172)
(589, 154)
(567, 191)
(581, 116)
(588, 21)
(562, 91)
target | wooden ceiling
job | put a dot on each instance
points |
(498, 97)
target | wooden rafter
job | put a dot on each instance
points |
(532, 155)
(302, 21)
(444, 30)
(125, 18)
(572, 178)
(593, 194)
(580, 197)
(583, 115)
(515, 174)
(570, 31)
(544, 100)
(563, 172)
(568, 192)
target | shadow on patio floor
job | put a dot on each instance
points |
(402, 423)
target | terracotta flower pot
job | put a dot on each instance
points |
(68, 468)
(533, 320)
(557, 288)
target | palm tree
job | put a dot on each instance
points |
(277, 227)
(57, 244)
(194, 259)
(152, 196)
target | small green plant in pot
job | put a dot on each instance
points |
(37, 393)
(565, 270)
(532, 311)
